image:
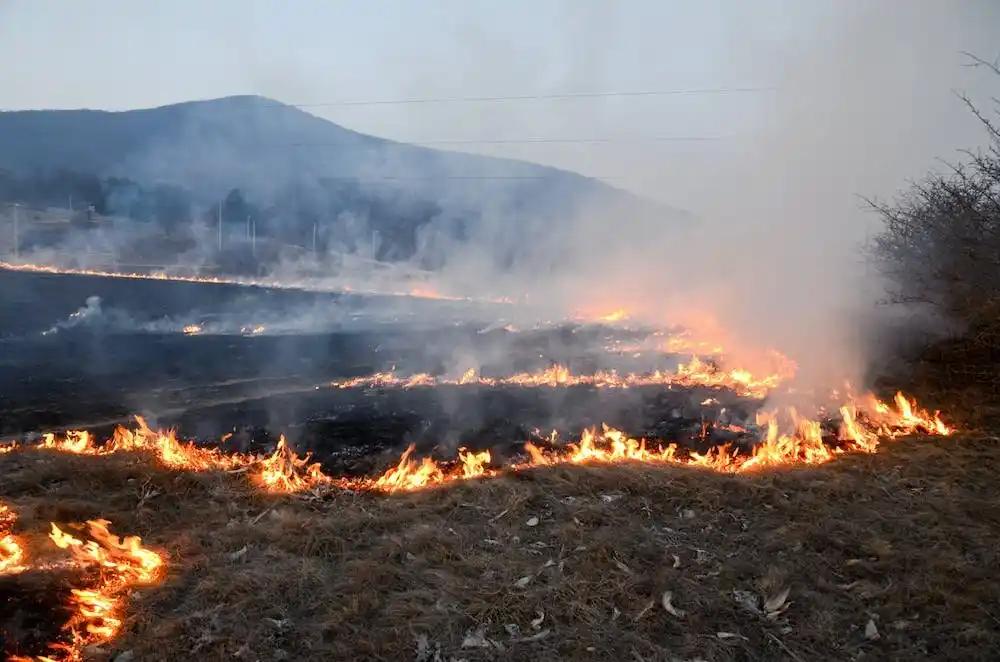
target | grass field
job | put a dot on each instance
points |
(873, 556)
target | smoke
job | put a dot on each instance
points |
(863, 100)
(286, 316)
(768, 250)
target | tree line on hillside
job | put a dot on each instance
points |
(335, 215)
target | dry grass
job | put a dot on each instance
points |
(903, 542)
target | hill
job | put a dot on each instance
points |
(298, 174)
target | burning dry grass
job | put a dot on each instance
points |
(420, 291)
(694, 373)
(119, 565)
(884, 556)
(863, 424)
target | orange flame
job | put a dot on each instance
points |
(163, 445)
(695, 373)
(864, 423)
(284, 471)
(418, 291)
(412, 475)
(124, 563)
(11, 552)
(121, 564)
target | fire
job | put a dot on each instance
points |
(862, 428)
(119, 565)
(51, 269)
(685, 345)
(11, 552)
(163, 445)
(615, 316)
(864, 423)
(192, 329)
(412, 475)
(418, 291)
(694, 373)
(803, 445)
(426, 292)
(122, 563)
(285, 471)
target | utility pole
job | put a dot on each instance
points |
(17, 232)
(253, 238)
(374, 232)
(220, 226)
(315, 229)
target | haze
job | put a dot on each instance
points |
(849, 97)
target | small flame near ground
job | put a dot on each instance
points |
(120, 564)
(417, 291)
(696, 372)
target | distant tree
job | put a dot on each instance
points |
(171, 206)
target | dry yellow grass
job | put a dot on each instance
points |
(887, 556)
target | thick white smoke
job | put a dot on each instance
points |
(864, 99)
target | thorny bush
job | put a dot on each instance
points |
(940, 241)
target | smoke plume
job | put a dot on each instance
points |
(863, 100)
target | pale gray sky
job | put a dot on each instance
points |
(120, 54)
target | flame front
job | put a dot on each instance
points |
(418, 291)
(162, 444)
(865, 422)
(11, 552)
(123, 563)
(694, 373)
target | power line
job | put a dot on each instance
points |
(533, 97)
(474, 178)
(504, 141)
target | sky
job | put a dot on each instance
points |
(120, 54)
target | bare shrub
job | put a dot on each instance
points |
(940, 244)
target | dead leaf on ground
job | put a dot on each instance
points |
(537, 622)
(667, 602)
(475, 639)
(523, 581)
(729, 635)
(777, 603)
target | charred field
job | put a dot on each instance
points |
(886, 555)
(129, 354)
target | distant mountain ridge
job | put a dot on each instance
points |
(305, 170)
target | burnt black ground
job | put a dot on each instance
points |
(96, 375)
